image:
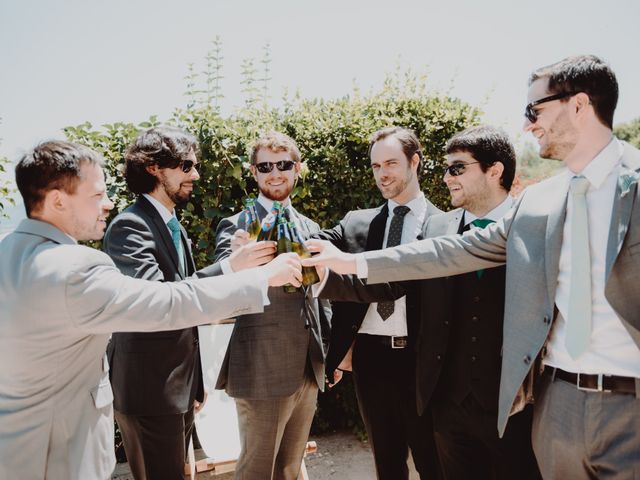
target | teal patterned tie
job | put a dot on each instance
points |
(174, 226)
(481, 223)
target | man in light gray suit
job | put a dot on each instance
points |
(274, 364)
(60, 302)
(572, 279)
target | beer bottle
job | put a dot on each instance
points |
(309, 274)
(268, 228)
(284, 246)
(252, 222)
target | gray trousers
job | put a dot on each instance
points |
(585, 435)
(274, 433)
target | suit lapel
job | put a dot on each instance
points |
(623, 200)
(377, 228)
(165, 236)
(557, 199)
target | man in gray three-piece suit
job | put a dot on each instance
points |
(61, 301)
(571, 325)
(156, 376)
(274, 364)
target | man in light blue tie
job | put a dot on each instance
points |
(157, 377)
(571, 340)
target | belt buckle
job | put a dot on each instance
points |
(398, 342)
(599, 388)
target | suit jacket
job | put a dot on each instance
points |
(269, 352)
(359, 231)
(452, 364)
(60, 302)
(156, 373)
(530, 236)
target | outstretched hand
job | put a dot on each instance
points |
(252, 254)
(330, 256)
(285, 268)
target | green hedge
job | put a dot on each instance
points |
(336, 177)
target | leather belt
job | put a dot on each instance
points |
(386, 340)
(596, 382)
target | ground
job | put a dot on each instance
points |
(340, 456)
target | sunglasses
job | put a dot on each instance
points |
(187, 165)
(457, 168)
(267, 167)
(532, 115)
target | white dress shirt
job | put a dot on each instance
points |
(611, 349)
(396, 324)
(496, 214)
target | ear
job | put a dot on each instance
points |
(415, 161)
(153, 169)
(296, 168)
(582, 101)
(54, 202)
(496, 170)
(252, 169)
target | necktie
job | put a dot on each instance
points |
(385, 309)
(481, 223)
(579, 314)
(174, 226)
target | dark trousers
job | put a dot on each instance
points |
(469, 447)
(156, 446)
(384, 380)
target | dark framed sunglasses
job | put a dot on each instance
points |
(187, 165)
(457, 168)
(282, 165)
(532, 115)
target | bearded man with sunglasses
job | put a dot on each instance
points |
(571, 337)
(274, 364)
(157, 377)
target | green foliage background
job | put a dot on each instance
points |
(333, 138)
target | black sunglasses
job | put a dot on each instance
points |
(187, 165)
(457, 168)
(532, 115)
(267, 167)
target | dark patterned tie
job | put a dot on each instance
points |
(481, 223)
(385, 309)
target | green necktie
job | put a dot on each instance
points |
(481, 223)
(174, 226)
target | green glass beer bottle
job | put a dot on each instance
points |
(309, 274)
(252, 222)
(268, 228)
(284, 246)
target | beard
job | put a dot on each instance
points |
(176, 194)
(560, 140)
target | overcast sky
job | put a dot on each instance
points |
(69, 61)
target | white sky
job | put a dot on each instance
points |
(68, 61)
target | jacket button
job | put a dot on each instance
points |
(446, 322)
(527, 359)
(473, 359)
(354, 328)
(546, 320)
(438, 357)
(195, 341)
(474, 339)
(474, 319)
(476, 299)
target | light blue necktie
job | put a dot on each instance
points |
(174, 226)
(579, 314)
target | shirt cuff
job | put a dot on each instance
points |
(362, 269)
(316, 288)
(225, 265)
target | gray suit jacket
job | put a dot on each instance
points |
(60, 302)
(530, 237)
(269, 352)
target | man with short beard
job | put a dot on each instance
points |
(274, 363)
(383, 335)
(157, 377)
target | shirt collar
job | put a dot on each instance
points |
(165, 214)
(417, 205)
(602, 164)
(496, 214)
(267, 203)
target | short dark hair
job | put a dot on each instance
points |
(52, 165)
(407, 138)
(487, 145)
(162, 146)
(584, 73)
(276, 142)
